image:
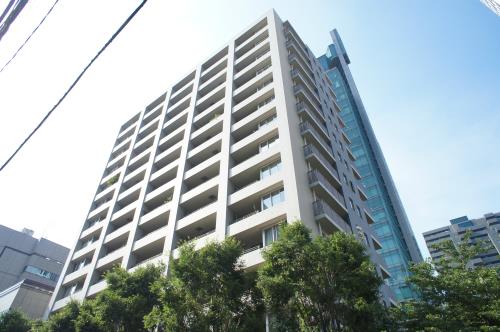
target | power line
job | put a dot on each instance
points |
(117, 32)
(31, 34)
(10, 15)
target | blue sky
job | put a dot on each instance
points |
(428, 72)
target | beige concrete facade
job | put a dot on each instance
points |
(249, 139)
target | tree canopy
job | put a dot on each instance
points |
(207, 290)
(454, 295)
(14, 321)
(321, 284)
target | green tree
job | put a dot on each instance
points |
(207, 290)
(321, 284)
(14, 321)
(123, 304)
(454, 296)
(63, 320)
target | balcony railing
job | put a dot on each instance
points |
(315, 176)
(245, 216)
(311, 150)
(321, 208)
(306, 126)
(246, 251)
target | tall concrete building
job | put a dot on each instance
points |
(29, 270)
(247, 140)
(493, 5)
(399, 247)
(486, 229)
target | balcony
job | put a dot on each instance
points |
(350, 154)
(252, 259)
(212, 83)
(124, 129)
(255, 143)
(210, 98)
(180, 94)
(197, 179)
(251, 32)
(199, 231)
(215, 110)
(182, 85)
(178, 107)
(250, 105)
(315, 118)
(171, 139)
(253, 86)
(327, 191)
(167, 157)
(244, 66)
(139, 160)
(154, 236)
(152, 115)
(99, 209)
(123, 215)
(124, 136)
(204, 214)
(171, 124)
(205, 150)
(151, 222)
(97, 288)
(143, 143)
(118, 155)
(293, 42)
(148, 128)
(208, 131)
(134, 177)
(329, 220)
(362, 194)
(163, 175)
(199, 241)
(312, 136)
(199, 197)
(251, 42)
(318, 161)
(113, 255)
(301, 88)
(159, 215)
(369, 218)
(213, 66)
(300, 74)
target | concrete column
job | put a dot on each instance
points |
(223, 213)
(126, 263)
(175, 214)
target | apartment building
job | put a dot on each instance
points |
(247, 140)
(400, 249)
(485, 229)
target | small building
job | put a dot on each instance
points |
(29, 270)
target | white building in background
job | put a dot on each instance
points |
(247, 140)
(494, 5)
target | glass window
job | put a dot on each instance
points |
(271, 235)
(266, 202)
(272, 199)
(270, 169)
(267, 121)
(40, 272)
(266, 145)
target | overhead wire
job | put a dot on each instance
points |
(115, 34)
(29, 37)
